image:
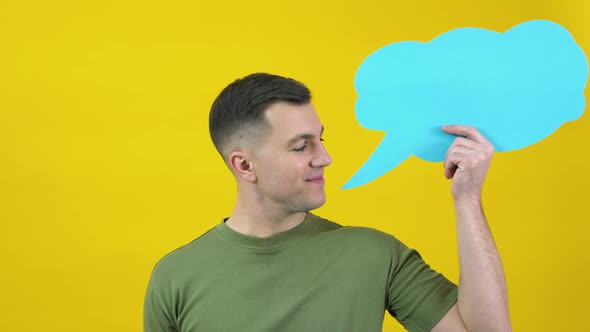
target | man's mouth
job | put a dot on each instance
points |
(316, 179)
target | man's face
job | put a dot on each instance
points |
(290, 161)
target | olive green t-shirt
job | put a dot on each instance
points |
(318, 276)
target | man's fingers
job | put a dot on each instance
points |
(466, 131)
(460, 145)
(464, 142)
(469, 149)
(452, 160)
(450, 169)
(461, 142)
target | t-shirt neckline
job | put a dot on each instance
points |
(271, 243)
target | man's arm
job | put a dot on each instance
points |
(157, 313)
(483, 301)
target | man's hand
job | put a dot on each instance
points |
(467, 162)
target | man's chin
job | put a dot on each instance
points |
(318, 204)
(308, 202)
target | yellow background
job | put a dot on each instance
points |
(106, 162)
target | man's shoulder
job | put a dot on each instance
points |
(185, 255)
(356, 233)
(367, 246)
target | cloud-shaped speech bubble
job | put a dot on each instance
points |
(516, 88)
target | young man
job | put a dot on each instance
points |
(275, 266)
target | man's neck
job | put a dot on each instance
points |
(262, 222)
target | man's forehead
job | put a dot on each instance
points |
(284, 114)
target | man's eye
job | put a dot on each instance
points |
(300, 149)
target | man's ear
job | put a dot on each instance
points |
(241, 165)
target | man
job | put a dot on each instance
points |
(275, 266)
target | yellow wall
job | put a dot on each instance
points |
(106, 162)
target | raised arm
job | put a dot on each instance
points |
(483, 302)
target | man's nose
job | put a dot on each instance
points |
(321, 157)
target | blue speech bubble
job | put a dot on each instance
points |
(516, 88)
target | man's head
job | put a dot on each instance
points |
(269, 134)
(237, 117)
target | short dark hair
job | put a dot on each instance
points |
(239, 110)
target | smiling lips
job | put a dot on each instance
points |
(316, 179)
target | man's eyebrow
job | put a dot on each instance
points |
(303, 137)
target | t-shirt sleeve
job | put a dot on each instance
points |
(157, 308)
(418, 296)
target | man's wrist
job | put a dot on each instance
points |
(468, 201)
